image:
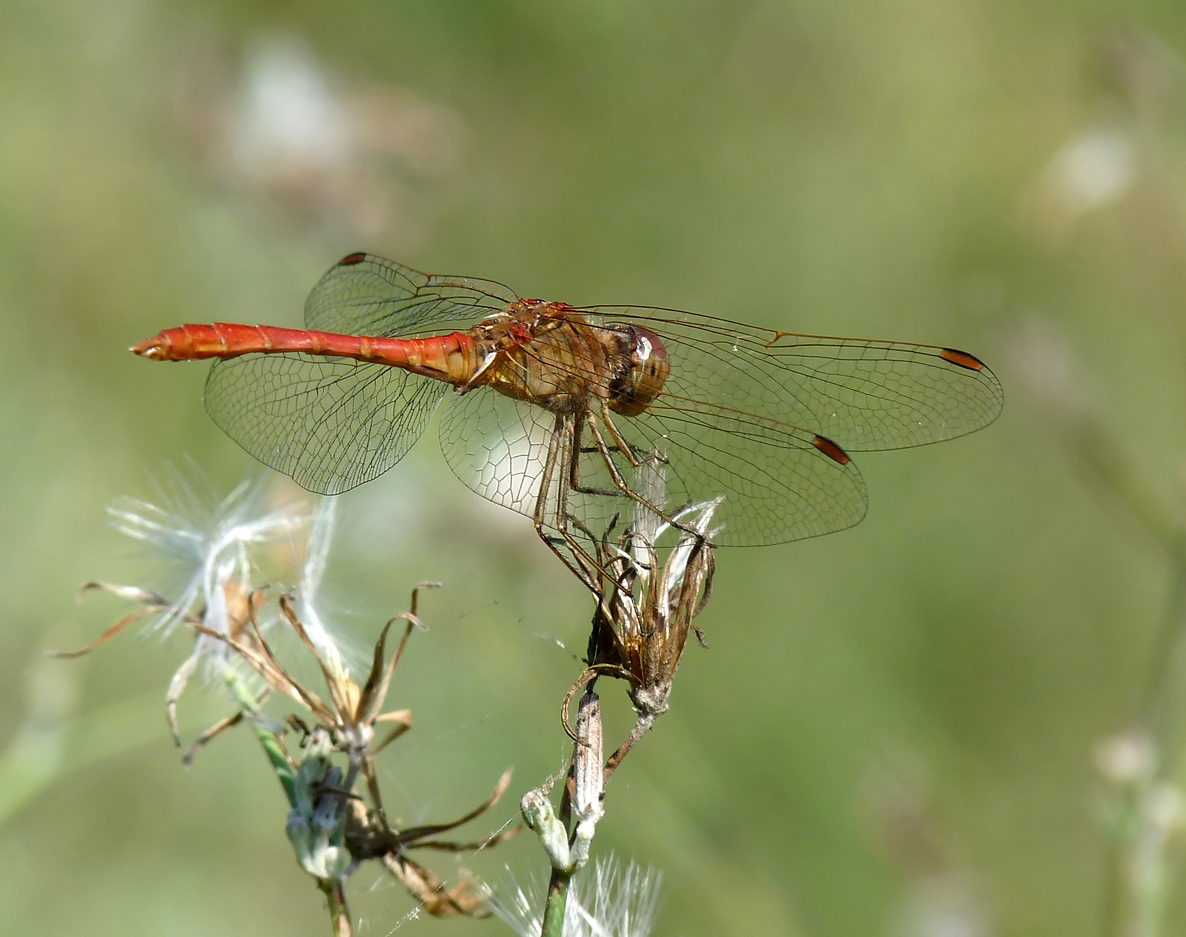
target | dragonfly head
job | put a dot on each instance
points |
(649, 368)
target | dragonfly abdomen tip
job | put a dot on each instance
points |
(150, 348)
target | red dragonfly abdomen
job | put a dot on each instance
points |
(453, 357)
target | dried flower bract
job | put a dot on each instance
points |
(645, 610)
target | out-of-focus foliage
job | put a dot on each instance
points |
(892, 730)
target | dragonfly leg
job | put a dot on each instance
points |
(589, 563)
(620, 442)
(539, 516)
(622, 487)
(654, 458)
(599, 447)
(574, 464)
(574, 474)
(586, 568)
(612, 568)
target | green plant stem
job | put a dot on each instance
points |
(271, 745)
(339, 914)
(557, 901)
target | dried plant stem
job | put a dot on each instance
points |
(335, 896)
(584, 791)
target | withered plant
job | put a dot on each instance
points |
(333, 828)
(644, 611)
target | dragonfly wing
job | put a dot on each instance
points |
(329, 423)
(497, 446)
(865, 395)
(367, 295)
(779, 483)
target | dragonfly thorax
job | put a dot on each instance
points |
(551, 355)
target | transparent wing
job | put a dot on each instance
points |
(863, 394)
(367, 295)
(330, 423)
(498, 446)
(778, 485)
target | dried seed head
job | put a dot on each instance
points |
(199, 549)
(645, 608)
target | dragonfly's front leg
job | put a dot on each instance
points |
(620, 441)
(621, 486)
(578, 450)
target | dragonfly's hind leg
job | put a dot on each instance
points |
(539, 515)
(586, 568)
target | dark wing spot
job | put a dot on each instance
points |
(351, 259)
(962, 358)
(831, 450)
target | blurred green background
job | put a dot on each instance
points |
(892, 732)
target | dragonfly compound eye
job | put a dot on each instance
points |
(649, 368)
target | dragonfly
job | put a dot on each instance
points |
(577, 415)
